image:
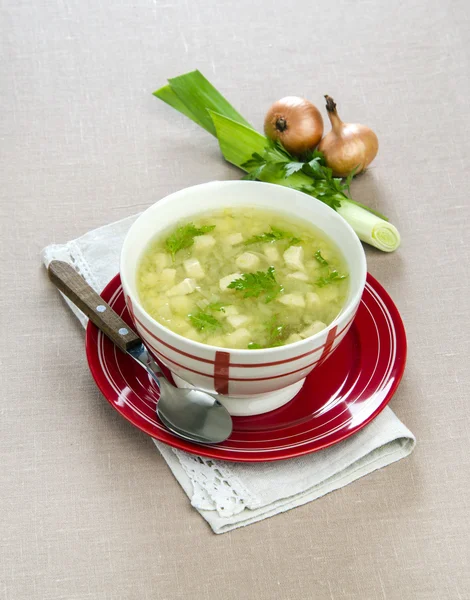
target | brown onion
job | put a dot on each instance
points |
(347, 146)
(296, 123)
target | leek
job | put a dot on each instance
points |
(370, 228)
(238, 143)
(195, 97)
(169, 96)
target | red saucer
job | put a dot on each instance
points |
(338, 398)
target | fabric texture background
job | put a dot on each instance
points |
(88, 509)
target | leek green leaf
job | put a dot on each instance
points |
(199, 96)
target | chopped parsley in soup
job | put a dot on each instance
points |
(243, 278)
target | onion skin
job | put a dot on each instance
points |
(296, 123)
(347, 146)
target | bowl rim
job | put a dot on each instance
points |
(343, 314)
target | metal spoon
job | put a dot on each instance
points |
(189, 413)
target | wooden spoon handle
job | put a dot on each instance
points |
(95, 308)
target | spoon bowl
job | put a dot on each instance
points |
(191, 414)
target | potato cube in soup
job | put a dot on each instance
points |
(237, 321)
(179, 323)
(293, 300)
(204, 242)
(192, 334)
(193, 268)
(313, 266)
(329, 293)
(202, 304)
(167, 278)
(150, 279)
(299, 275)
(227, 280)
(161, 260)
(265, 310)
(312, 329)
(294, 337)
(165, 312)
(181, 305)
(157, 301)
(239, 338)
(234, 238)
(313, 300)
(293, 257)
(187, 286)
(247, 261)
(230, 311)
(271, 253)
(223, 225)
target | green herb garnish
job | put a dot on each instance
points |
(331, 278)
(277, 332)
(184, 236)
(220, 306)
(203, 321)
(273, 236)
(320, 258)
(255, 166)
(276, 163)
(254, 284)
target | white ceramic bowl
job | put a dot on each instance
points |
(248, 382)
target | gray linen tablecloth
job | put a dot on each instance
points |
(88, 509)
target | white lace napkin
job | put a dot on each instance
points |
(230, 495)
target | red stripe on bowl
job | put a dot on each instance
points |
(162, 356)
(330, 338)
(247, 365)
(221, 372)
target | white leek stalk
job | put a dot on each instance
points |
(369, 228)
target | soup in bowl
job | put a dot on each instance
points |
(242, 288)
